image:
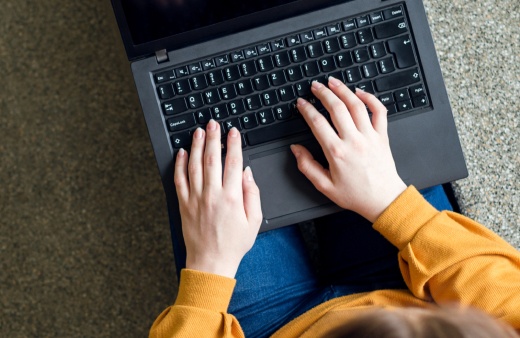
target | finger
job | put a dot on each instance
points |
(195, 165)
(337, 109)
(379, 111)
(233, 167)
(319, 176)
(252, 205)
(319, 125)
(180, 176)
(355, 106)
(213, 156)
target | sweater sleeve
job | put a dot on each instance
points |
(200, 309)
(445, 257)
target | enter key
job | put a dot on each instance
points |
(401, 47)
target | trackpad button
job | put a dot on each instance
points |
(283, 188)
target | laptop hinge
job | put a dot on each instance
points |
(161, 55)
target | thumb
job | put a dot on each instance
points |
(251, 198)
(314, 171)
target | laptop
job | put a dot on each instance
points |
(244, 63)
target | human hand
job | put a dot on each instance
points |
(362, 176)
(220, 215)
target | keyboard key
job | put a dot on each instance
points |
(221, 60)
(404, 105)
(244, 87)
(344, 60)
(401, 94)
(420, 101)
(331, 45)
(362, 21)
(327, 64)
(194, 101)
(182, 71)
(281, 59)
(417, 90)
(294, 73)
(198, 82)
(250, 52)
(286, 93)
(231, 73)
(164, 76)
(353, 74)
(311, 69)
(402, 48)
(277, 45)
(175, 106)
(391, 108)
(182, 87)
(219, 111)
(348, 40)
(303, 88)
(211, 96)
(333, 29)
(228, 92)
(277, 78)
(377, 50)
(298, 54)
(249, 120)
(236, 107)
(261, 82)
(181, 122)
(276, 131)
(253, 102)
(232, 123)
(338, 75)
(320, 33)
(248, 68)
(369, 70)
(165, 91)
(237, 56)
(386, 65)
(365, 36)
(293, 40)
(181, 139)
(269, 98)
(390, 28)
(315, 50)
(393, 12)
(366, 86)
(306, 37)
(376, 17)
(215, 77)
(265, 116)
(386, 98)
(263, 49)
(265, 64)
(349, 25)
(208, 64)
(361, 55)
(195, 68)
(397, 80)
(203, 116)
(282, 112)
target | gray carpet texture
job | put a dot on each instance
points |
(84, 240)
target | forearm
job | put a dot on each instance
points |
(200, 309)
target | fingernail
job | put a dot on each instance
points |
(317, 85)
(359, 90)
(249, 174)
(334, 82)
(198, 133)
(233, 132)
(301, 102)
(181, 152)
(212, 125)
(295, 150)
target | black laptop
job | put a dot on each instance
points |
(244, 64)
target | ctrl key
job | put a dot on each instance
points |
(181, 140)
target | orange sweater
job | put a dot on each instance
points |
(443, 256)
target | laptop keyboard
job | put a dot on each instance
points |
(255, 89)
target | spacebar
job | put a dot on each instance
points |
(276, 131)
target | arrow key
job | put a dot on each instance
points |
(404, 105)
(420, 101)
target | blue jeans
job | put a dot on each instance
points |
(277, 280)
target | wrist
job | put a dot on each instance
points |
(222, 267)
(385, 198)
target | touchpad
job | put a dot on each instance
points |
(283, 189)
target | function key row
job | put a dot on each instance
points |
(291, 41)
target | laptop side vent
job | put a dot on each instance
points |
(161, 55)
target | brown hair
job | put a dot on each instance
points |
(442, 322)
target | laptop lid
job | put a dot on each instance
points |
(148, 26)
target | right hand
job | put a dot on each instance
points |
(362, 176)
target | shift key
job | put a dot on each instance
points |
(397, 80)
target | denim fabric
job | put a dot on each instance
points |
(277, 282)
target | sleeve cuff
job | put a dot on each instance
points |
(205, 290)
(404, 217)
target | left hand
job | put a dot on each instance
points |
(220, 215)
